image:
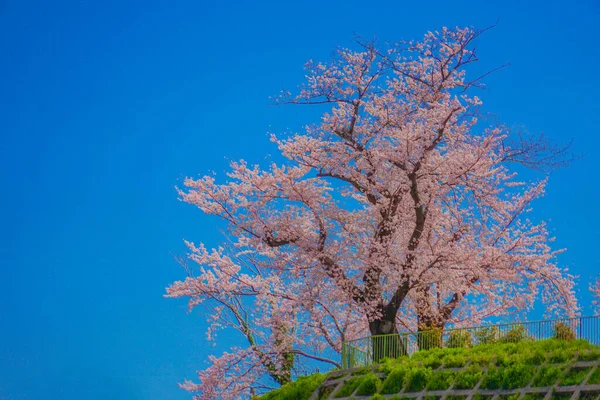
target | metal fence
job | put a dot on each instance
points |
(369, 350)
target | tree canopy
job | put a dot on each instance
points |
(398, 210)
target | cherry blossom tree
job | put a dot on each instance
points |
(398, 209)
(595, 289)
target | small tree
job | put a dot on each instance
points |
(459, 338)
(516, 334)
(563, 331)
(487, 335)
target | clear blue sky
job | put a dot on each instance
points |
(106, 105)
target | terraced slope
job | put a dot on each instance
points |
(548, 369)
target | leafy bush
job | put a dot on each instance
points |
(515, 335)
(479, 396)
(454, 361)
(429, 339)
(441, 380)
(595, 377)
(459, 338)
(432, 362)
(483, 360)
(517, 376)
(534, 396)
(377, 397)
(536, 357)
(574, 376)
(563, 331)
(348, 388)
(560, 356)
(493, 379)
(417, 379)
(395, 380)
(561, 395)
(468, 378)
(369, 385)
(487, 335)
(362, 371)
(591, 355)
(593, 395)
(301, 389)
(514, 396)
(325, 392)
(546, 376)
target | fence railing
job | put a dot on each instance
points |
(369, 350)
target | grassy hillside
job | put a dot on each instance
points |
(452, 373)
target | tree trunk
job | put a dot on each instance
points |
(386, 341)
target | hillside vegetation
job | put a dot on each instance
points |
(451, 373)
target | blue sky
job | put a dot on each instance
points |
(106, 106)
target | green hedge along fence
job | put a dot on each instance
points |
(370, 350)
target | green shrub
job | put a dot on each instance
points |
(482, 360)
(487, 335)
(595, 377)
(395, 380)
(429, 339)
(468, 378)
(479, 396)
(369, 385)
(362, 371)
(503, 360)
(534, 396)
(561, 395)
(560, 356)
(517, 376)
(459, 338)
(432, 362)
(590, 355)
(377, 397)
(301, 389)
(536, 357)
(574, 376)
(515, 335)
(593, 395)
(456, 397)
(546, 376)
(417, 379)
(349, 387)
(441, 380)
(513, 396)
(454, 361)
(325, 392)
(563, 331)
(493, 379)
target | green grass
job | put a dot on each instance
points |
(588, 395)
(534, 396)
(574, 376)
(595, 377)
(547, 376)
(590, 355)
